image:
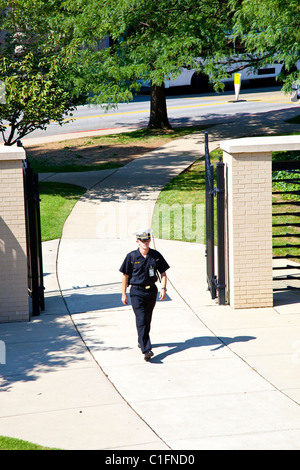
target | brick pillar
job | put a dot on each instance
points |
(14, 304)
(249, 206)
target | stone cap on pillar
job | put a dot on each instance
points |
(11, 153)
(261, 144)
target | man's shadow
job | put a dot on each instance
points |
(218, 342)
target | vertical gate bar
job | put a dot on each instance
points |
(212, 231)
(33, 236)
(221, 230)
(207, 238)
(33, 241)
(209, 217)
(39, 243)
(29, 277)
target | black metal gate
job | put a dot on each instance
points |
(291, 253)
(34, 240)
(216, 283)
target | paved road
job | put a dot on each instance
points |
(182, 110)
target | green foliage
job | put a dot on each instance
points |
(279, 177)
(270, 28)
(38, 71)
(149, 40)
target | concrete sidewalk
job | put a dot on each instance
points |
(74, 377)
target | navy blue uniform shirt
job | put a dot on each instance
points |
(142, 271)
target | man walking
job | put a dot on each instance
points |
(140, 270)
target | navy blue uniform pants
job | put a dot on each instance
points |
(143, 302)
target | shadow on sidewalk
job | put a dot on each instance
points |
(83, 299)
(46, 344)
(197, 342)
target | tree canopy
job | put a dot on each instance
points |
(37, 69)
(149, 40)
(52, 54)
(271, 29)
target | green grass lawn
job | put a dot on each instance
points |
(10, 443)
(57, 201)
(179, 213)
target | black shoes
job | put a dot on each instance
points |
(148, 355)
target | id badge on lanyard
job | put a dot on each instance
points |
(151, 271)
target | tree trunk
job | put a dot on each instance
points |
(158, 109)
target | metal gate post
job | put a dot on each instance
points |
(33, 252)
(39, 243)
(209, 215)
(34, 241)
(220, 190)
(216, 285)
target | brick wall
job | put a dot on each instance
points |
(249, 217)
(13, 259)
(249, 205)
